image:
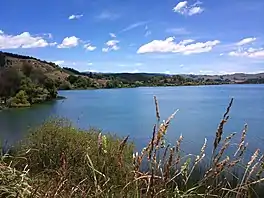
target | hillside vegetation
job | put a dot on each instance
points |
(27, 80)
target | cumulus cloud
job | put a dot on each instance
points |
(23, 40)
(112, 35)
(250, 53)
(89, 47)
(246, 41)
(185, 47)
(78, 16)
(183, 8)
(69, 42)
(111, 45)
(180, 6)
(1, 32)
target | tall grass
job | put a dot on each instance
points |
(57, 160)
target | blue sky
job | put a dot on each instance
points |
(168, 36)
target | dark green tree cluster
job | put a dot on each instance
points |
(82, 82)
(25, 86)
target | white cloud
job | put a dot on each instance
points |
(1, 32)
(112, 35)
(53, 44)
(195, 10)
(185, 47)
(59, 62)
(177, 31)
(78, 16)
(106, 15)
(111, 45)
(134, 25)
(89, 47)
(69, 42)
(183, 8)
(246, 41)
(250, 53)
(90, 64)
(180, 6)
(23, 40)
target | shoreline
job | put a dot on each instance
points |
(4, 107)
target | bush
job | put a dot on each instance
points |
(20, 100)
(58, 153)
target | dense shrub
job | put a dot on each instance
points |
(56, 152)
(20, 100)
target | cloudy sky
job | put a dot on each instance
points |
(168, 36)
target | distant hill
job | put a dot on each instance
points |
(49, 69)
(235, 78)
(69, 78)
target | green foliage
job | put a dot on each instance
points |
(57, 151)
(10, 80)
(65, 85)
(25, 87)
(20, 100)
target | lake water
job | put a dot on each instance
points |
(132, 112)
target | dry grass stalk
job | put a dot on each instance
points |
(254, 168)
(157, 108)
(178, 153)
(100, 142)
(169, 164)
(120, 150)
(253, 158)
(261, 167)
(242, 140)
(219, 131)
(151, 144)
(226, 144)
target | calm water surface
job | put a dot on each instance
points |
(132, 112)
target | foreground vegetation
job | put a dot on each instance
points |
(58, 160)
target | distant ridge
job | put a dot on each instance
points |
(61, 74)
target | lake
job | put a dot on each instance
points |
(132, 112)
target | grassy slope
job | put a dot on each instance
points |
(51, 70)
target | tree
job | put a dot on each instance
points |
(72, 79)
(21, 99)
(27, 69)
(10, 80)
(49, 84)
(2, 60)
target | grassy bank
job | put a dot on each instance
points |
(58, 160)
